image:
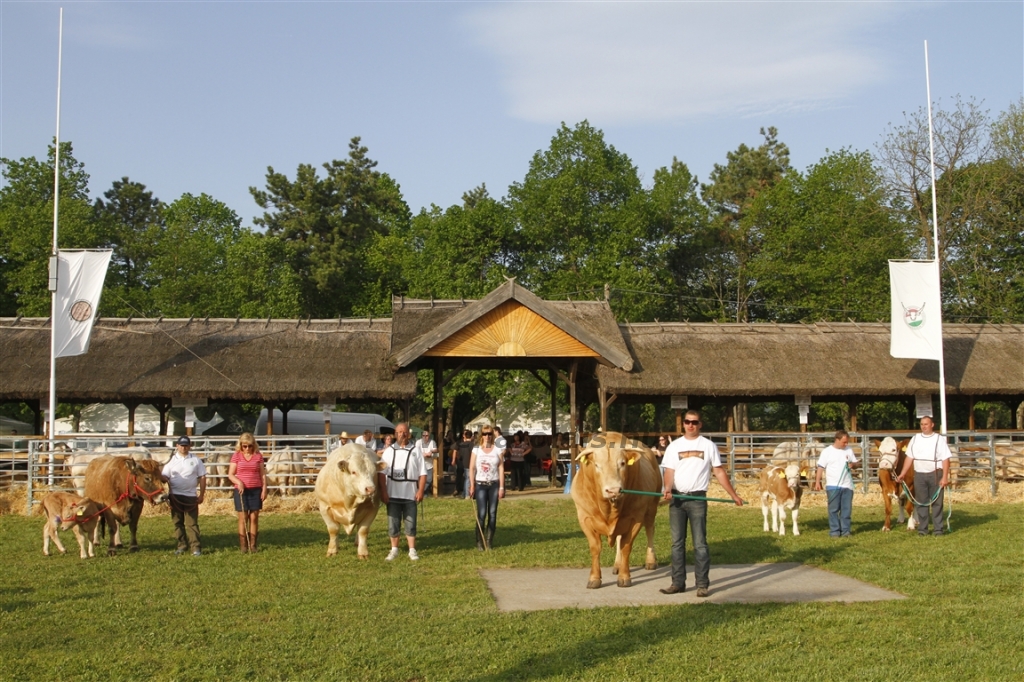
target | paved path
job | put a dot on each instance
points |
(558, 588)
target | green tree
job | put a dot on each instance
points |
(826, 239)
(191, 261)
(735, 237)
(582, 220)
(329, 225)
(130, 220)
(258, 282)
(26, 226)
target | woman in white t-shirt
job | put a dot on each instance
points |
(486, 486)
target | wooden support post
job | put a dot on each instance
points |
(679, 421)
(131, 405)
(163, 408)
(605, 401)
(970, 412)
(436, 426)
(573, 425)
(270, 418)
(853, 405)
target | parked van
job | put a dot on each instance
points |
(311, 423)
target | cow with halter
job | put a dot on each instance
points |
(609, 464)
(893, 455)
(67, 511)
(781, 486)
(122, 485)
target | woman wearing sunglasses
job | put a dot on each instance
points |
(486, 486)
(248, 473)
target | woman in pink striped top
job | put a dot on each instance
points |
(248, 473)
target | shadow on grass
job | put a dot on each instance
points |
(9, 601)
(461, 540)
(564, 660)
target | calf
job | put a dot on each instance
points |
(893, 454)
(284, 470)
(66, 511)
(782, 487)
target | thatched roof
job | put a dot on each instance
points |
(824, 359)
(217, 359)
(420, 325)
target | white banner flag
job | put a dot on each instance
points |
(916, 310)
(80, 276)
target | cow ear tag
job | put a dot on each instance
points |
(629, 462)
(782, 474)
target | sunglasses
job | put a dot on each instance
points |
(247, 447)
(691, 422)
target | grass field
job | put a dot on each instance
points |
(290, 613)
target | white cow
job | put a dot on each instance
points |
(346, 489)
(284, 470)
(78, 462)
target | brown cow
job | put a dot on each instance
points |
(67, 511)
(609, 464)
(894, 454)
(346, 489)
(782, 487)
(122, 485)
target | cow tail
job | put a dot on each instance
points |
(103, 526)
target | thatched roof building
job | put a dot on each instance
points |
(215, 359)
(835, 360)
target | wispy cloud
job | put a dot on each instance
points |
(634, 62)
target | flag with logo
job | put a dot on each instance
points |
(916, 310)
(80, 276)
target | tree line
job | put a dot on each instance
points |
(758, 241)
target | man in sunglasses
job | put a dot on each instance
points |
(688, 463)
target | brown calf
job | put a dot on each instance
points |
(782, 487)
(894, 454)
(67, 511)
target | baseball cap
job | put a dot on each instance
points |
(185, 440)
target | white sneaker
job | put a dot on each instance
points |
(392, 555)
(413, 556)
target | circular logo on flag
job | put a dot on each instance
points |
(81, 311)
(914, 316)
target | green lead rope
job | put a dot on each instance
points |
(949, 512)
(680, 496)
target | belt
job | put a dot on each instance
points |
(692, 492)
(486, 484)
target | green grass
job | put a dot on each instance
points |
(291, 613)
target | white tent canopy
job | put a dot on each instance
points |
(113, 418)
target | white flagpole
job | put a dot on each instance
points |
(935, 238)
(54, 255)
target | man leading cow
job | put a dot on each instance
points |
(928, 452)
(689, 462)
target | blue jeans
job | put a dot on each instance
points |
(696, 513)
(398, 511)
(840, 510)
(486, 496)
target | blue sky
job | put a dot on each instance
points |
(203, 96)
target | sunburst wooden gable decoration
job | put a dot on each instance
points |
(511, 330)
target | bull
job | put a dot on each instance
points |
(346, 490)
(122, 485)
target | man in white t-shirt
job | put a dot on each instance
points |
(186, 477)
(688, 463)
(928, 452)
(368, 441)
(428, 451)
(401, 487)
(836, 461)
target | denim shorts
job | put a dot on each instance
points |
(399, 511)
(252, 499)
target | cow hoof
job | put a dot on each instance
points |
(363, 557)
(593, 584)
(331, 552)
(885, 529)
(111, 552)
(133, 548)
(651, 566)
(623, 582)
(615, 570)
(796, 532)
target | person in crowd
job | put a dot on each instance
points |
(185, 475)
(486, 486)
(401, 486)
(460, 458)
(248, 474)
(387, 441)
(835, 462)
(689, 462)
(344, 437)
(368, 441)
(517, 461)
(928, 452)
(660, 447)
(529, 459)
(428, 451)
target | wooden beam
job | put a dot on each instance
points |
(436, 426)
(453, 373)
(853, 405)
(539, 378)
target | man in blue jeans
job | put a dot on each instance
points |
(688, 463)
(401, 486)
(836, 461)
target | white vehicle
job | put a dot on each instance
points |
(311, 423)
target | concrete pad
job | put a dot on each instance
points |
(533, 589)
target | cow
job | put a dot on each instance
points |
(609, 464)
(78, 462)
(782, 487)
(217, 462)
(346, 490)
(893, 454)
(284, 470)
(122, 484)
(67, 511)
